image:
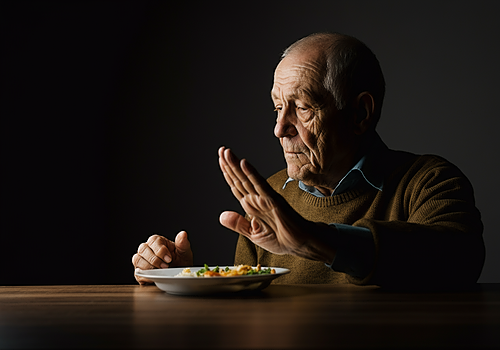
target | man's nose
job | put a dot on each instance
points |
(284, 127)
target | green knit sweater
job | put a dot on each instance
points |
(426, 228)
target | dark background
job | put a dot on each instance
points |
(112, 113)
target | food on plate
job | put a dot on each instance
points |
(240, 270)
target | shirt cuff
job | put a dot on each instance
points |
(355, 252)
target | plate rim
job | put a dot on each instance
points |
(143, 273)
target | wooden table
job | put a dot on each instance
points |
(281, 316)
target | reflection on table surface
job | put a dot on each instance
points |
(281, 316)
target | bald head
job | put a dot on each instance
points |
(348, 67)
(321, 42)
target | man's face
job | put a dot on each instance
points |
(317, 139)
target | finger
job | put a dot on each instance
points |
(221, 152)
(222, 162)
(232, 169)
(228, 174)
(158, 245)
(140, 263)
(182, 244)
(226, 171)
(232, 180)
(142, 280)
(239, 177)
(222, 158)
(235, 222)
(236, 187)
(260, 184)
(146, 253)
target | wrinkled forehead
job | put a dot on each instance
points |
(297, 75)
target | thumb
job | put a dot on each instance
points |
(182, 244)
(235, 222)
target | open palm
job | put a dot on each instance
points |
(273, 225)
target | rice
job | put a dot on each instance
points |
(186, 273)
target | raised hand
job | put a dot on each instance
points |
(274, 225)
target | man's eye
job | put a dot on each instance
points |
(305, 114)
(277, 108)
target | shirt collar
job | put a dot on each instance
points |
(363, 171)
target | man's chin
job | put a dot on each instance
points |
(298, 173)
(306, 173)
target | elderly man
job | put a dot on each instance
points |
(346, 209)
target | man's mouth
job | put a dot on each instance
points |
(292, 154)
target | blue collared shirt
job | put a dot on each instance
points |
(356, 246)
(349, 181)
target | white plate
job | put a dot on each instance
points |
(165, 280)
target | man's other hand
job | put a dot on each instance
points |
(159, 253)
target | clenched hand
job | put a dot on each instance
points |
(160, 252)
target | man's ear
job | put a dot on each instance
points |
(365, 107)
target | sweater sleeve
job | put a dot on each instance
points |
(355, 251)
(246, 253)
(436, 240)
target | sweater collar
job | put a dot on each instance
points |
(365, 170)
